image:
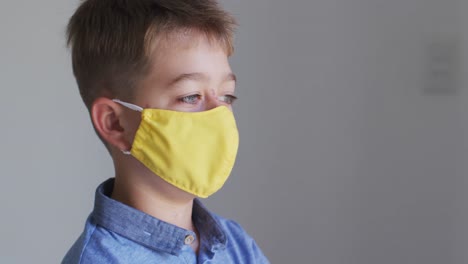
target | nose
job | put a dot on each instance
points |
(212, 101)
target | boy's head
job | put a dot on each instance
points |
(149, 52)
(112, 40)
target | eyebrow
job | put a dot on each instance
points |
(198, 76)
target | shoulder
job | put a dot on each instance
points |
(234, 229)
(99, 245)
(238, 241)
(79, 248)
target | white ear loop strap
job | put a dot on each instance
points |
(130, 106)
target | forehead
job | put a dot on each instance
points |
(188, 51)
(184, 54)
(183, 39)
(194, 58)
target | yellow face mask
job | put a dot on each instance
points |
(194, 151)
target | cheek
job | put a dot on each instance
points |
(196, 108)
(132, 126)
(158, 101)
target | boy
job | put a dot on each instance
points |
(155, 77)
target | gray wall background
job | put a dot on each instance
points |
(346, 155)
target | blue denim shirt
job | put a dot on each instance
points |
(117, 233)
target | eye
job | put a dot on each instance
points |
(190, 99)
(228, 98)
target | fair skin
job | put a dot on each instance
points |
(190, 74)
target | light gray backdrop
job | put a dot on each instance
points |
(354, 132)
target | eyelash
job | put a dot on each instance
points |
(189, 99)
(230, 98)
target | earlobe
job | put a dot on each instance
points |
(106, 116)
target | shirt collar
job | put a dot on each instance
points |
(149, 231)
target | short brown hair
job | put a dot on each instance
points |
(111, 40)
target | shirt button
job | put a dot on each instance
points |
(188, 239)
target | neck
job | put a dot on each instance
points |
(155, 197)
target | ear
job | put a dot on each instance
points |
(107, 119)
